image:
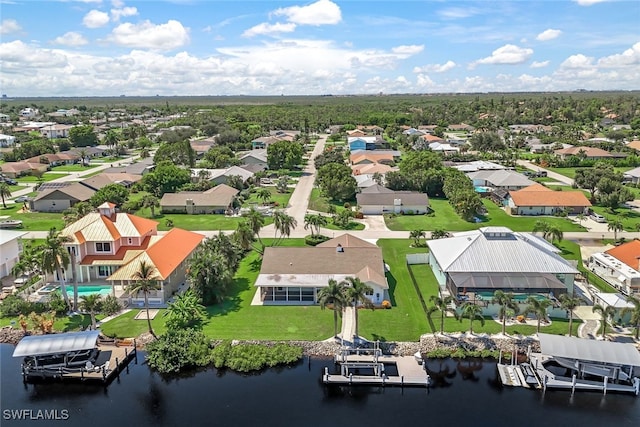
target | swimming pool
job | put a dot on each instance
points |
(90, 290)
(482, 189)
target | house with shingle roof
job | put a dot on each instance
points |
(18, 169)
(472, 265)
(378, 200)
(619, 266)
(502, 179)
(294, 275)
(108, 247)
(632, 176)
(61, 198)
(592, 153)
(216, 200)
(540, 200)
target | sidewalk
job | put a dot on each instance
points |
(348, 325)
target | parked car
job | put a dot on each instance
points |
(598, 218)
(21, 199)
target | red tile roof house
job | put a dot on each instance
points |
(540, 200)
(293, 275)
(110, 246)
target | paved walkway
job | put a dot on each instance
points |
(348, 325)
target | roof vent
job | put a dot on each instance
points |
(339, 248)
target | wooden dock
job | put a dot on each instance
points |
(113, 358)
(410, 372)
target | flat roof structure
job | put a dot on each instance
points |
(589, 350)
(37, 345)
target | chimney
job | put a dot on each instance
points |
(339, 248)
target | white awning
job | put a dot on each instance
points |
(36, 345)
(589, 350)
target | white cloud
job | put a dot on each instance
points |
(435, 68)
(268, 29)
(95, 19)
(116, 14)
(408, 49)
(548, 34)
(630, 56)
(458, 12)
(147, 35)
(322, 12)
(70, 38)
(18, 57)
(507, 54)
(576, 62)
(8, 26)
(422, 80)
(588, 2)
(117, 3)
(539, 64)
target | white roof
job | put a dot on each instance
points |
(502, 178)
(36, 345)
(589, 350)
(7, 236)
(477, 165)
(498, 249)
(635, 173)
(615, 264)
(614, 300)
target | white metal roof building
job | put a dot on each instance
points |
(37, 345)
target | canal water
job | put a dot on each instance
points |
(464, 394)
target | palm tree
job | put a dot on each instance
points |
(472, 312)
(84, 155)
(553, 233)
(5, 192)
(580, 217)
(152, 202)
(357, 294)
(335, 295)
(185, 312)
(506, 302)
(569, 303)
(314, 221)
(443, 306)
(541, 225)
(283, 224)
(635, 313)
(145, 281)
(606, 313)
(332, 209)
(416, 235)
(439, 233)
(264, 194)
(539, 308)
(92, 304)
(243, 235)
(615, 225)
(111, 138)
(54, 258)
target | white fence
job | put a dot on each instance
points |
(418, 258)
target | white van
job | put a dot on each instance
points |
(598, 218)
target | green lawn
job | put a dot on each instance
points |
(353, 225)
(571, 172)
(73, 168)
(281, 198)
(35, 221)
(447, 219)
(46, 177)
(629, 217)
(62, 323)
(195, 222)
(319, 203)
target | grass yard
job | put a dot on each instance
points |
(571, 172)
(195, 222)
(46, 177)
(281, 198)
(73, 168)
(629, 217)
(319, 203)
(571, 251)
(446, 218)
(62, 323)
(353, 225)
(34, 221)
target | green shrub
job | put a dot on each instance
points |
(253, 357)
(57, 303)
(439, 353)
(179, 349)
(315, 240)
(13, 306)
(111, 305)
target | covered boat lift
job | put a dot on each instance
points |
(610, 361)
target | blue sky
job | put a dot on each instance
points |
(192, 47)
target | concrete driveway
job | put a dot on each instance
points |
(374, 223)
(560, 178)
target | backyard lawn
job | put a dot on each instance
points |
(319, 203)
(195, 222)
(446, 218)
(571, 172)
(46, 177)
(73, 168)
(34, 221)
(281, 198)
(571, 251)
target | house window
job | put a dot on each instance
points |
(130, 240)
(104, 270)
(103, 247)
(369, 292)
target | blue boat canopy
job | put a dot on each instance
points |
(38, 345)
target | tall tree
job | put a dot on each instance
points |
(443, 305)
(5, 192)
(283, 224)
(634, 312)
(539, 308)
(357, 292)
(54, 258)
(313, 222)
(91, 304)
(264, 194)
(145, 281)
(615, 225)
(472, 312)
(150, 201)
(605, 313)
(506, 302)
(335, 295)
(570, 303)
